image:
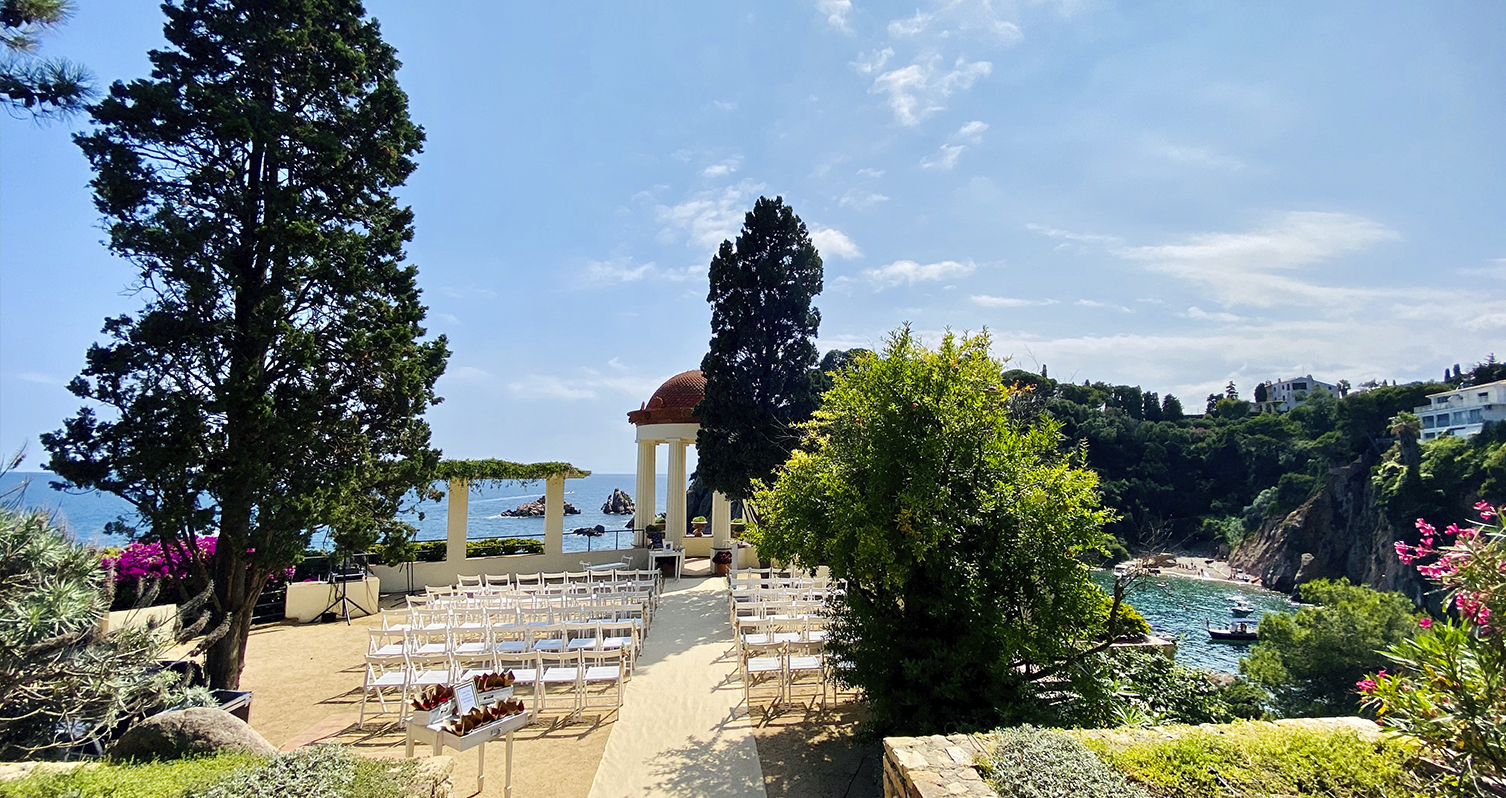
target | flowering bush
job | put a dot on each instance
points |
(156, 561)
(1450, 689)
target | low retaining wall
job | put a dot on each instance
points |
(306, 600)
(394, 579)
(936, 766)
(932, 767)
(164, 614)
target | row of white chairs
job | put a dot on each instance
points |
(538, 581)
(481, 614)
(565, 675)
(788, 667)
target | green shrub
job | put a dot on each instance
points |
(1027, 762)
(1311, 659)
(1263, 760)
(173, 779)
(319, 771)
(492, 547)
(1129, 687)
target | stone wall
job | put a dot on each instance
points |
(935, 766)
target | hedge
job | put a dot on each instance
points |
(435, 550)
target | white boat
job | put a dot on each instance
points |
(1241, 609)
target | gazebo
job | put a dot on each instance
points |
(668, 418)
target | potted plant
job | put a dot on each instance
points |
(699, 523)
(655, 533)
(737, 527)
(722, 559)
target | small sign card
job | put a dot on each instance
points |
(465, 696)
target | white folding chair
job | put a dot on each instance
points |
(760, 665)
(560, 677)
(603, 667)
(463, 581)
(807, 669)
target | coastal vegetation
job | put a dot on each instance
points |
(63, 682)
(275, 378)
(1309, 661)
(958, 530)
(1445, 687)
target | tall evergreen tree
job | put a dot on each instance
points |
(274, 380)
(38, 86)
(759, 377)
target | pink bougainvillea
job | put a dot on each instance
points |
(157, 561)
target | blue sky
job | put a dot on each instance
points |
(1168, 194)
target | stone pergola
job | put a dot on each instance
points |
(461, 473)
(668, 418)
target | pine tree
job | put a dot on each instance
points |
(275, 379)
(45, 86)
(759, 377)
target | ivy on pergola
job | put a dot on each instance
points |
(485, 472)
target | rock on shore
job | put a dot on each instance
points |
(535, 509)
(619, 503)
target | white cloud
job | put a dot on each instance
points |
(38, 378)
(871, 173)
(1198, 313)
(725, 105)
(836, 12)
(858, 199)
(1241, 268)
(945, 158)
(448, 318)
(869, 63)
(1496, 270)
(591, 385)
(972, 132)
(1087, 238)
(1202, 156)
(903, 272)
(1093, 303)
(722, 168)
(708, 217)
(900, 28)
(616, 364)
(830, 241)
(984, 300)
(625, 270)
(920, 89)
(975, 19)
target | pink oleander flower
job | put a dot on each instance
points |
(1425, 623)
(1366, 686)
(1424, 527)
(1486, 511)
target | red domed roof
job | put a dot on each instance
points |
(674, 402)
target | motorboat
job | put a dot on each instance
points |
(1242, 609)
(1236, 632)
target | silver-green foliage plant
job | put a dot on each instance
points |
(319, 771)
(1027, 762)
(63, 682)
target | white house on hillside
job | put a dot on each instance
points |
(1463, 411)
(1283, 395)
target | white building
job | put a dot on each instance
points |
(1463, 412)
(1283, 395)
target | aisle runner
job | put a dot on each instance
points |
(681, 731)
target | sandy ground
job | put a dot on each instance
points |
(1204, 568)
(306, 675)
(307, 684)
(817, 754)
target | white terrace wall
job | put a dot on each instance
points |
(395, 580)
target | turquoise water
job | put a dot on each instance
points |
(1181, 607)
(85, 515)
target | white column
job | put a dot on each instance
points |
(554, 514)
(721, 521)
(674, 512)
(643, 503)
(455, 520)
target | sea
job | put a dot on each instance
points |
(85, 514)
(1182, 608)
(1175, 606)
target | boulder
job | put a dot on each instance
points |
(619, 503)
(190, 732)
(535, 509)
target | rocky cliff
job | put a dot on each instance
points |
(1339, 532)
